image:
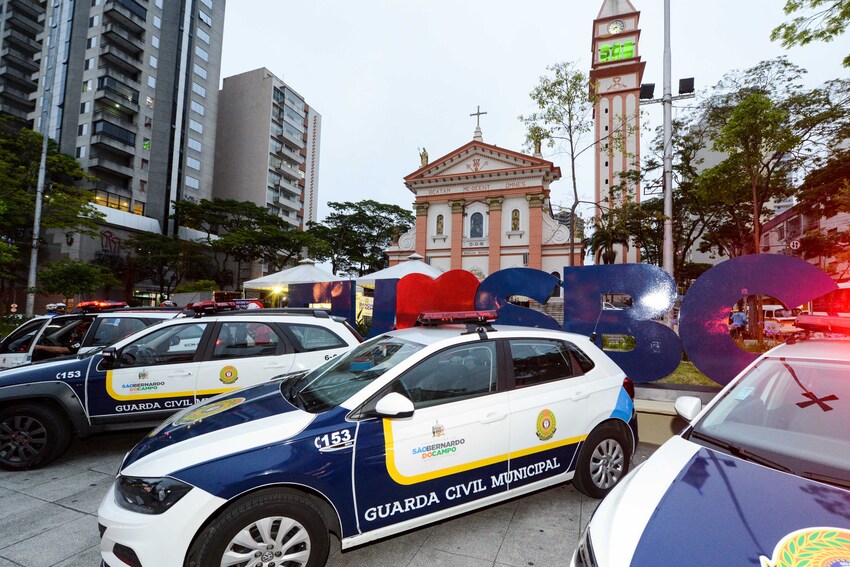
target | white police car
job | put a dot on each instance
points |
(760, 477)
(411, 427)
(144, 378)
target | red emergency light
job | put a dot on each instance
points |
(824, 323)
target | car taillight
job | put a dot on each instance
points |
(629, 387)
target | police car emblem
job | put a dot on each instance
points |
(438, 430)
(143, 375)
(208, 410)
(228, 375)
(545, 425)
(812, 547)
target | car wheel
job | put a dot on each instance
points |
(603, 461)
(272, 527)
(32, 436)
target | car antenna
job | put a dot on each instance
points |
(594, 334)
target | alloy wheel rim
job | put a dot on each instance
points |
(606, 464)
(275, 541)
(22, 438)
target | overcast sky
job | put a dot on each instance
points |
(391, 76)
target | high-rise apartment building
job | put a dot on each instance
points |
(21, 23)
(134, 99)
(267, 149)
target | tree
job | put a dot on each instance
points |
(828, 19)
(71, 278)
(565, 117)
(358, 233)
(607, 233)
(165, 260)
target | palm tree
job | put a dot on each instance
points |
(606, 235)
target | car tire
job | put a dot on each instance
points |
(31, 436)
(304, 541)
(603, 461)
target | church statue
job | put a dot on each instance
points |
(423, 156)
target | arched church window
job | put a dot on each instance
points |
(440, 224)
(476, 225)
(557, 291)
(515, 220)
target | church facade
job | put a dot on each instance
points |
(483, 208)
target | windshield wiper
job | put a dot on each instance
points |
(741, 452)
(827, 479)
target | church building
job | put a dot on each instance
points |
(483, 208)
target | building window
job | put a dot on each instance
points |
(195, 145)
(87, 85)
(205, 17)
(83, 129)
(439, 224)
(89, 64)
(192, 182)
(203, 36)
(146, 144)
(149, 102)
(158, 4)
(193, 163)
(202, 53)
(143, 185)
(200, 71)
(157, 22)
(515, 220)
(81, 152)
(112, 200)
(155, 41)
(196, 126)
(198, 107)
(94, 21)
(198, 89)
(91, 42)
(145, 164)
(151, 82)
(85, 107)
(476, 225)
(207, 3)
(154, 61)
(138, 208)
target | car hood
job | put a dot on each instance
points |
(41, 371)
(691, 505)
(219, 426)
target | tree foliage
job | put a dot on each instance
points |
(165, 260)
(819, 20)
(71, 278)
(359, 232)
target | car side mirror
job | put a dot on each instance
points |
(394, 405)
(109, 357)
(688, 407)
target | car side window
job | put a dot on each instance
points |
(313, 337)
(113, 329)
(243, 340)
(585, 362)
(169, 345)
(19, 340)
(536, 361)
(450, 375)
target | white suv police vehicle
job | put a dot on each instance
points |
(151, 374)
(760, 477)
(411, 427)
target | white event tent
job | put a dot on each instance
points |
(413, 265)
(305, 272)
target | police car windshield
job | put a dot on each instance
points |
(793, 413)
(340, 378)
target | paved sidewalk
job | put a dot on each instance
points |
(48, 517)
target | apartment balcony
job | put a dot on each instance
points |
(291, 138)
(113, 91)
(116, 118)
(112, 165)
(291, 173)
(34, 10)
(120, 58)
(22, 98)
(23, 21)
(288, 185)
(23, 81)
(128, 80)
(16, 58)
(121, 36)
(23, 41)
(14, 110)
(298, 158)
(126, 13)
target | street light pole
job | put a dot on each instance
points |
(46, 104)
(667, 103)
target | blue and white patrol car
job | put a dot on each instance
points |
(411, 427)
(760, 477)
(144, 378)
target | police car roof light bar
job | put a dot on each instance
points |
(454, 317)
(824, 323)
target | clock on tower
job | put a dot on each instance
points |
(615, 78)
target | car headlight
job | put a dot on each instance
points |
(149, 495)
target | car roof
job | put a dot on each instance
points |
(821, 349)
(430, 335)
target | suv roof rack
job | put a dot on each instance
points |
(308, 311)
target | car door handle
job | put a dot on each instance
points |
(179, 374)
(273, 366)
(493, 417)
(578, 396)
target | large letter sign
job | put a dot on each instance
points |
(493, 293)
(657, 352)
(452, 291)
(703, 320)
(341, 296)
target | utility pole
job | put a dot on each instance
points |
(46, 104)
(667, 103)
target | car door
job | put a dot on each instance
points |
(452, 451)
(16, 348)
(106, 330)
(154, 373)
(243, 353)
(550, 407)
(314, 344)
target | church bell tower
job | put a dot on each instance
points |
(615, 77)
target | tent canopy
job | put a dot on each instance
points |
(413, 265)
(305, 272)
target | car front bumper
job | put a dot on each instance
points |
(157, 540)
